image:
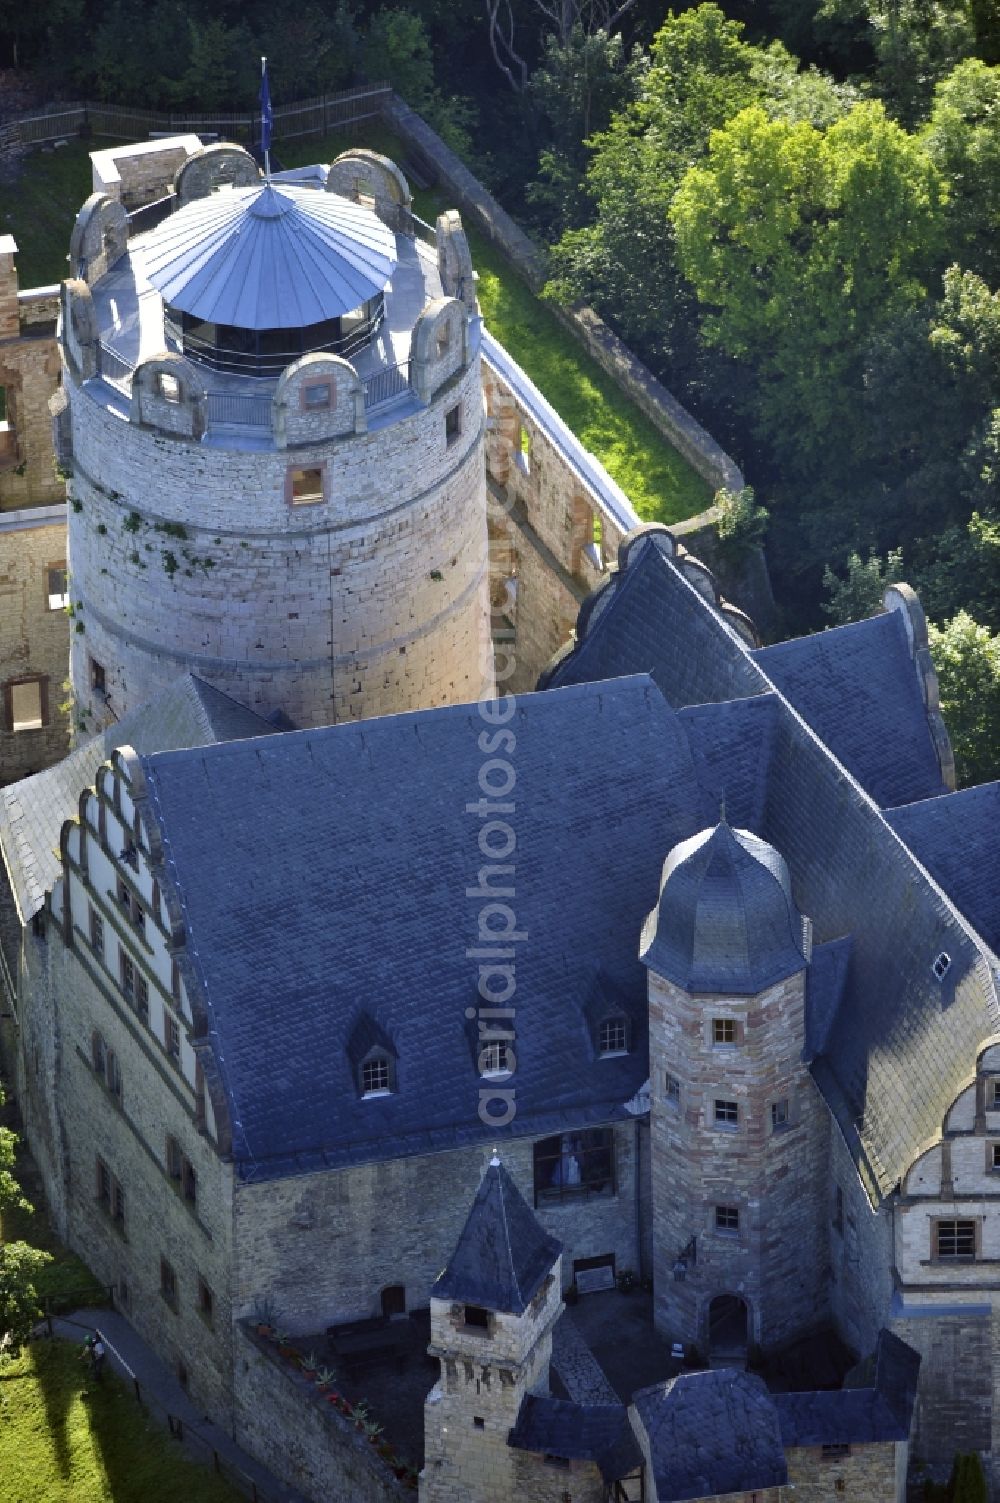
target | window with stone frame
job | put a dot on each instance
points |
(727, 1220)
(110, 1195)
(56, 586)
(98, 678)
(672, 1090)
(206, 1302)
(574, 1165)
(317, 396)
(727, 1113)
(452, 424)
(475, 1318)
(955, 1239)
(834, 1451)
(181, 1170)
(171, 1037)
(26, 703)
(780, 1114)
(168, 1283)
(141, 998)
(126, 974)
(96, 932)
(725, 1031)
(304, 486)
(993, 1095)
(993, 1157)
(98, 1054)
(612, 1035)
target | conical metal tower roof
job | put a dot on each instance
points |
(269, 257)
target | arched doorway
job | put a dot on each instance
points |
(728, 1324)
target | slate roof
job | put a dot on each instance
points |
(725, 920)
(503, 1254)
(956, 838)
(826, 979)
(582, 1432)
(885, 1022)
(711, 1433)
(325, 870)
(32, 812)
(856, 687)
(878, 1409)
(269, 256)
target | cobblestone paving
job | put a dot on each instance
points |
(578, 1368)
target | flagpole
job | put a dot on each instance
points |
(265, 119)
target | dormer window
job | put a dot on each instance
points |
(495, 1058)
(376, 1076)
(612, 1036)
(477, 1319)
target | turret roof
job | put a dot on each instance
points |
(725, 921)
(269, 257)
(503, 1253)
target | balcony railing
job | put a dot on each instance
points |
(248, 410)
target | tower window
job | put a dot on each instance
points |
(476, 1318)
(170, 389)
(318, 396)
(478, 1422)
(834, 1451)
(443, 340)
(723, 1030)
(727, 1113)
(727, 1220)
(375, 1076)
(452, 424)
(304, 487)
(98, 679)
(672, 1090)
(171, 1037)
(779, 1114)
(612, 1036)
(56, 589)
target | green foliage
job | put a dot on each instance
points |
(398, 49)
(968, 1481)
(132, 522)
(963, 138)
(860, 593)
(916, 42)
(803, 242)
(742, 523)
(962, 569)
(19, 1263)
(967, 659)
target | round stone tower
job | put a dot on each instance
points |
(274, 424)
(737, 1125)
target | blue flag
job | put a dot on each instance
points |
(266, 112)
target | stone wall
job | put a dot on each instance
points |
(773, 1176)
(283, 1421)
(164, 1214)
(34, 637)
(861, 1256)
(371, 601)
(322, 1246)
(867, 1473)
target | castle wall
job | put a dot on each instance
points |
(322, 1246)
(284, 1422)
(127, 1126)
(371, 601)
(34, 637)
(866, 1473)
(774, 1178)
(861, 1254)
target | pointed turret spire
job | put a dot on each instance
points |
(503, 1253)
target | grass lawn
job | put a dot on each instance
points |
(64, 1439)
(39, 204)
(661, 485)
(38, 209)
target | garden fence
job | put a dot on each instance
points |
(307, 117)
